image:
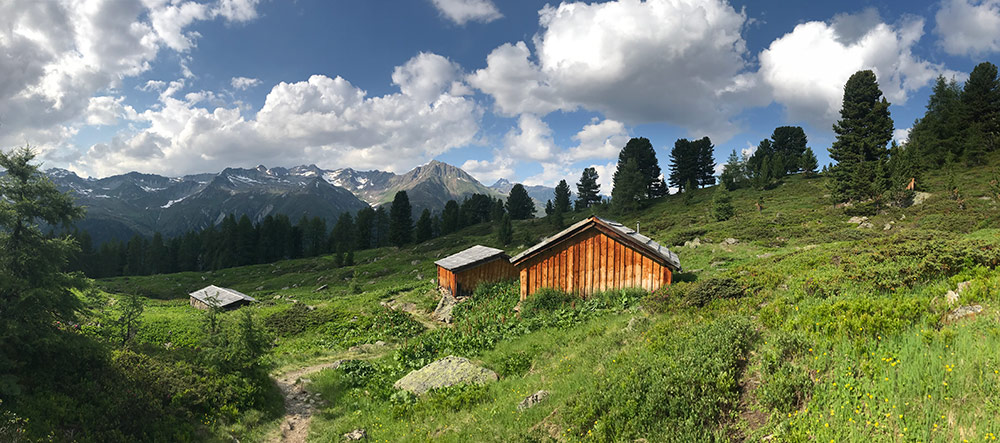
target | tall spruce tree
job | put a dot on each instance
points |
(35, 293)
(734, 174)
(808, 162)
(364, 227)
(683, 164)
(561, 202)
(937, 136)
(629, 189)
(450, 217)
(424, 229)
(692, 162)
(342, 237)
(981, 109)
(382, 223)
(519, 204)
(587, 189)
(400, 220)
(789, 142)
(863, 132)
(705, 175)
(641, 150)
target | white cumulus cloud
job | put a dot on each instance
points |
(807, 68)
(322, 120)
(968, 27)
(464, 11)
(61, 60)
(244, 83)
(670, 61)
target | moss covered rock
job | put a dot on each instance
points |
(448, 371)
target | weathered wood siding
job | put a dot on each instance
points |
(590, 262)
(464, 282)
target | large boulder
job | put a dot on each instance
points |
(448, 371)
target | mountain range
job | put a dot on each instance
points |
(121, 206)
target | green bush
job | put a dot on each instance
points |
(784, 385)
(514, 364)
(665, 297)
(713, 289)
(677, 388)
(547, 300)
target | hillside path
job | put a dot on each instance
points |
(299, 404)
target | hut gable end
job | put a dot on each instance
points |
(595, 255)
(460, 273)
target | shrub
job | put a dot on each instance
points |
(784, 386)
(677, 388)
(546, 300)
(713, 289)
(514, 364)
(661, 300)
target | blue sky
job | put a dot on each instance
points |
(527, 90)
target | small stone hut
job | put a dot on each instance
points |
(595, 255)
(224, 298)
(460, 273)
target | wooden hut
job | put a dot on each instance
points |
(595, 255)
(460, 273)
(224, 298)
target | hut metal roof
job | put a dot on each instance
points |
(221, 297)
(627, 233)
(469, 257)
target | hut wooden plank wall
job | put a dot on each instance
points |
(595, 255)
(462, 272)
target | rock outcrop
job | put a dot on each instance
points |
(448, 371)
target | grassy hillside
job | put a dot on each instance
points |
(807, 328)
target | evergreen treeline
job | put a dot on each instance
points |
(240, 242)
(962, 124)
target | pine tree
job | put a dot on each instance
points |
(424, 231)
(629, 186)
(562, 197)
(734, 172)
(549, 209)
(587, 189)
(641, 150)
(722, 204)
(400, 220)
(364, 227)
(659, 188)
(450, 217)
(705, 169)
(505, 232)
(692, 162)
(790, 143)
(342, 237)
(497, 211)
(382, 224)
(519, 204)
(937, 136)
(863, 132)
(981, 110)
(35, 293)
(808, 163)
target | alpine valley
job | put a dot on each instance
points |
(121, 206)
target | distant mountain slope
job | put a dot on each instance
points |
(431, 186)
(123, 205)
(539, 194)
